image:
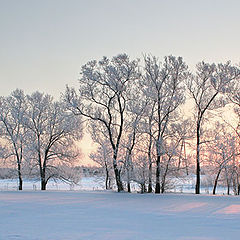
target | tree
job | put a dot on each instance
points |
(102, 97)
(164, 86)
(147, 129)
(133, 129)
(234, 96)
(103, 154)
(221, 149)
(175, 151)
(53, 132)
(12, 128)
(206, 88)
(140, 174)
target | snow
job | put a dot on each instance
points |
(180, 185)
(86, 183)
(106, 215)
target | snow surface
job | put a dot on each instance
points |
(86, 183)
(105, 215)
(179, 185)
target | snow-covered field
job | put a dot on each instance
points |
(87, 212)
(86, 183)
(98, 215)
(184, 185)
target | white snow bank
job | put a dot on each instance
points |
(67, 215)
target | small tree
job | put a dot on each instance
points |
(53, 131)
(221, 151)
(206, 88)
(13, 130)
(147, 129)
(132, 130)
(164, 86)
(103, 154)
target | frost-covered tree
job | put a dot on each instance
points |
(133, 129)
(206, 88)
(103, 154)
(182, 133)
(234, 96)
(53, 131)
(13, 131)
(103, 96)
(175, 157)
(148, 130)
(164, 87)
(141, 171)
(221, 150)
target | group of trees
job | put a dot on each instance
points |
(135, 113)
(37, 134)
(145, 115)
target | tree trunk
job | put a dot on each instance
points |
(106, 180)
(128, 187)
(163, 187)
(197, 188)
(157, 188)
(150, 166)
(107, 176)
(228, 187)
(180, 156)
(109, 183)
(43, 184)
(237, 180)
(43, 179)
(128, 174)
(216, 181)
(165, 175)
(20, 181)
(150, 178)
(143, 188)
(187, 172)
(185, 159)
(117, 175)
(164, 181)
(234, 185)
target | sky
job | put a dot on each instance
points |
(44, 43)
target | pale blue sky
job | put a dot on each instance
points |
(44, 43)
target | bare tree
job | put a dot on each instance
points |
(53, 132)
(133, 129)
(221, 149)
(140, 175)
(175, 156)
(102, 97)
(207, 87)
(103, 154)
(164, 86)
(147, 125)
(234, 96)
(13, 130)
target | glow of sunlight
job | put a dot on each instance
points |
(87, 147)
(231, 209)
(186, 206)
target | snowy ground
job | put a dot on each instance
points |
(86, 183)
(184, 185)
(101, 215)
